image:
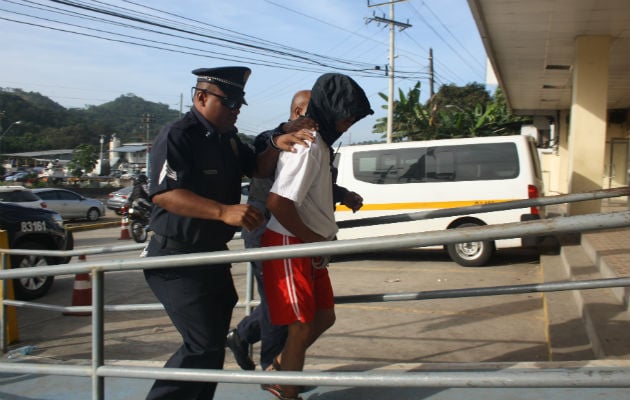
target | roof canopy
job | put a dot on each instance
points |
(531, 46)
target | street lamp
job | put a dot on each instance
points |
(100, 159)
(147, 119)
(465, 120)
(455, 106)
(6, 131)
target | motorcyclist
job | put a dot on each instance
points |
(139, 195)
(139, 209)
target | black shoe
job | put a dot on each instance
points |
(240, 351)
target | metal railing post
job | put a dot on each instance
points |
(3, 321)
(98, 333)
(249, 288)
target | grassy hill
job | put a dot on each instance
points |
(47, 125)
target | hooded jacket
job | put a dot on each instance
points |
(335, 97)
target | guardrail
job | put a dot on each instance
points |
(575, 377)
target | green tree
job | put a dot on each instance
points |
(412, 119)
(465, 97)
(489, 119)
(466, 111)
(83, 159)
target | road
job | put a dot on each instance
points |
(500, 328)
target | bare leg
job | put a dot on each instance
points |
(324, 319)
(301, 337)
(294, 351)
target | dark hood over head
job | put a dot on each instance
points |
(335, 97)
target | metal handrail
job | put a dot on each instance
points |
(579, 377)
(483, 208)
(583, 223)
(383, 297)
(500, 376)
(387, 219)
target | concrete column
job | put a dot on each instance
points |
(587, 129)
(563, 152)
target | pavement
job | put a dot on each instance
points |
(487, 333)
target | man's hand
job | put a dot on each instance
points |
(242, 215)
(353, 201)
(286, 141)
(299, 123)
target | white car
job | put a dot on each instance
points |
(71, 205)
(20, 196)
(116, 200)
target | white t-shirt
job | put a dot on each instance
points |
(304, 177)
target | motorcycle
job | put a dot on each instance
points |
(138, 215)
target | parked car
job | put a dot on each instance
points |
(21, 196)
(118, 199)
(17, 177)
(71, 205)
(38, 229)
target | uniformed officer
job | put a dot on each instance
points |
(198, 162)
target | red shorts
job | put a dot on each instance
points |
(294, 289)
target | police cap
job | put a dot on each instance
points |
(231, 80)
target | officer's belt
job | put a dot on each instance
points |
(172, 244)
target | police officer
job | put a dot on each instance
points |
(195, 187)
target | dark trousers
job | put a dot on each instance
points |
(199, 301)
(258, 327)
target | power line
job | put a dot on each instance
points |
(233, 46)
(464, 60)
(295, 55)
(442, 65)
(153, 43)
(446, 28)
(366, 71)
(365, 37)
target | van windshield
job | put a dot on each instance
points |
(491, 161)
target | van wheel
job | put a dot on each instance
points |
(471, 254)
(35, 286)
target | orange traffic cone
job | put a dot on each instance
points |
(124, 228)
(82, 292)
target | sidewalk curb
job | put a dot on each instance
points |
(90, 227)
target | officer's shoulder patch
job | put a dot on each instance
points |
(167, 172)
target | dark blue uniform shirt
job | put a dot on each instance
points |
(190, 154)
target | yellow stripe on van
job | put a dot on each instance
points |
(420, 205)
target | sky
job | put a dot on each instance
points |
(81, 53)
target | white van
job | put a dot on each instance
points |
(408, 177)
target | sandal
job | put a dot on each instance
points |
(277, 391)
(275, 366)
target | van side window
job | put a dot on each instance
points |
(437, 164)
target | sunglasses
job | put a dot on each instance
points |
(229, 102)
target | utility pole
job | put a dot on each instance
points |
(432, 119)
(392, 24)
(431, 77)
